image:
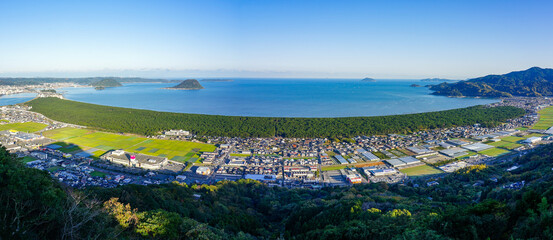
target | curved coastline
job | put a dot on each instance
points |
(147, 122)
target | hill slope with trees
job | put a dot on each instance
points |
(533, 82)
(471, 203)
(108, 82)
(188, 84)
(146, 122)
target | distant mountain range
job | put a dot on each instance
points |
(84, 81)
(533, 82)
(188, 84)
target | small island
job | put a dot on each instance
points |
(368, 80)
(415, 85)
(104, 83)
(188, 84)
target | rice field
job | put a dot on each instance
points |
(27, 159)
(98, 174)
(533, 135)
(333, 167)
(546, 119)
(505, 144)
(512, 139)
(28, 127)
(420, 171)
(97, 143)
(397, 153)
(494, 152)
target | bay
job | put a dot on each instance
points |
(16, 98)
(278, 98)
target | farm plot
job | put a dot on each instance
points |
(28, 127)
(100, 142)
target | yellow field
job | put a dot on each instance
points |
(100, 142)
(28, 127)
(546, 119)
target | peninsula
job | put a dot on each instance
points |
(188, 84)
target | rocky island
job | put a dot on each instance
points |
(368, 80)
(188, 84)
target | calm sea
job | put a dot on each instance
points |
(16, 98)
(278, 98)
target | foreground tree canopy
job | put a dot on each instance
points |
(471, 203)
(148, 122)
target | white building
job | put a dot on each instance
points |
(532, 140)
(203, 170)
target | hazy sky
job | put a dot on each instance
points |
(380, 39)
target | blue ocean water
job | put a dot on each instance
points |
(278, 98)
(16, 98)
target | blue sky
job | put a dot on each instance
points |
(349, 39)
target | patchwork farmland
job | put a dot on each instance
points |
(97, 143)
(546, 119)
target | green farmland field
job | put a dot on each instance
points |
(546, 119)
(420, 171)
(512, 139)
(505, 144)
(101, 142)
(27, 159)
(333, 167)
(28, 127)
(494, 152)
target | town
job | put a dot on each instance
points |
(288, 162)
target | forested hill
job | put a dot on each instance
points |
(478, 202)
(533, 82)
(108, 82)
(189, 84)
(84, 81)
(147, 122)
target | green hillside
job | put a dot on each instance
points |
(147, 122)
(533, 82)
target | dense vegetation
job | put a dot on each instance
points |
(189, 84)
(107, 82)
(533, 82)
(85, 81)
(468, 204)
(150, 122)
